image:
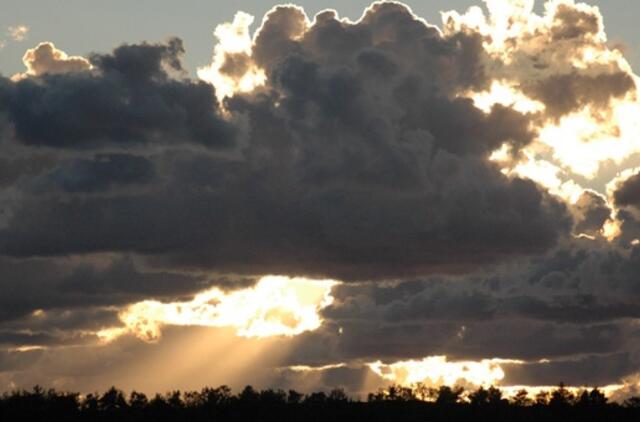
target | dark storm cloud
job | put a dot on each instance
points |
(628, 192)
(625, 195)
(563, 94)
(339, 173)
(591, 370)
(581, 300)
(98, 174)
(57, 323)
(581, 285)
(592, 211)
(571, 22)
(369, 341)
(13, 168)
(33, 284)
(128, 98)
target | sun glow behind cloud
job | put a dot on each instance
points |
(578, 148)
(437, 370)
(275, 306)
(232, 69)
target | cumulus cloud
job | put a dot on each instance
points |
(627, 190)
(45, 58)
(591, 213)
(336, 172)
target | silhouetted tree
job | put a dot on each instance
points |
(561, 396)
(138, 400)
(216, 396)
(632, 403)
(249, 396)
(316, 398)
(542, 398)
(294, 397)
(448, 395)
(480, 397)
(394, 403)
(112, 400)
(338, 395)
(597, 398)
(521, 399)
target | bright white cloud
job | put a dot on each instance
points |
(437, 370)
(232, 69)
(275, 306)
(45, 58)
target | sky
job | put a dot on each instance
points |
(202, 194)
(84, 26)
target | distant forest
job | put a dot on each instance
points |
(395, 403)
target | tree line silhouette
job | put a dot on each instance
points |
(395, 403)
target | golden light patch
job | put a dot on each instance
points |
(611, 230)
(107, 335)
(437, 370)
(275, 306)
(504, 94)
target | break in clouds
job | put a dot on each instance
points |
(471, 186)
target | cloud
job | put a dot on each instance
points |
(275, 306)
(436, 371)
(325, 170)
(451, 178)
(127, 98)
(561, 60)
(98, 174)
(592, 212)
(86, 282)
(598, 370)
(18, 32)
(627, 191)
(45, 58)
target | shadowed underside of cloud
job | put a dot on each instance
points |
(341, 170)
(359, 155)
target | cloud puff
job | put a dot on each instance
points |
(18, 32)
(45, 58)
